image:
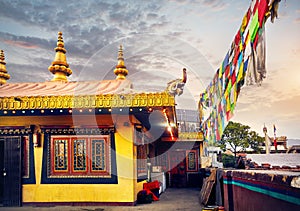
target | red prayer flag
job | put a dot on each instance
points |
(255, 41)
(255, 6)
(237, 38)
(236, 55)
(233, 78)
(262, 9)
(227, 71)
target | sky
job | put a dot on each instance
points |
(159, 38)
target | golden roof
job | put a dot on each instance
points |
(83, 94)
(4, 76)
(74, 88)
(59, 66)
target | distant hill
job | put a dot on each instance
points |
(291, 142)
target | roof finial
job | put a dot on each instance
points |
(59, 66)
(4, 76)
(120, 70)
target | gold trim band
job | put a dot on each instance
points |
(87, 101)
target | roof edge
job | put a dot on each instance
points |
(87, 101)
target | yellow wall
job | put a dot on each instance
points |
(125, 191)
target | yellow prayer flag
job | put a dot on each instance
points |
(241, 46)
(241, 72)
(228, 105)
(244, 23)
(221, 71)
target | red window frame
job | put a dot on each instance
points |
(70, 171)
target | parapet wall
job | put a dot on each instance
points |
(261, 190)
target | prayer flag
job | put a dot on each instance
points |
(245, 20)
(245, 60)
(262, 9)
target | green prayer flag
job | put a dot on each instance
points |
(254, 26)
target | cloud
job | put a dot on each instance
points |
(21, 44)
(27, 73)
(151, 16)
(10, 10)
(87, 26)
(215, 5)
(283, 112)
(90, 28)
(24, 41)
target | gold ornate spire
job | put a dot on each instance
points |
(4, 76)
(59, 66)
(120, 70)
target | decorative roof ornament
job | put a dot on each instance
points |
(4, 76)
(120, 70)
(59, 66)
(175, 87)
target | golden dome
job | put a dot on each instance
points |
(4, 76)
(120, 70)
(59, 66)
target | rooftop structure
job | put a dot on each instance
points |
(99, 135)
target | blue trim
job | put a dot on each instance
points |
(275, 193)
(86, 180)
(31, 179)
(73, 111)
(54, 112)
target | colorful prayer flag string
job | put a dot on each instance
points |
(244, 62)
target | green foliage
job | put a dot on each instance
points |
(228, 161)
(238, 137)
(255, 141)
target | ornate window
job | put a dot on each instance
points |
(79, 155)
(75, 156)
(98, 150)
(60, 155)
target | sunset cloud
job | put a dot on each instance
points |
(21, 44)
(159, 39)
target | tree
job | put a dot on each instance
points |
(255, 141)
(237, 138)
(228, 161)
